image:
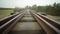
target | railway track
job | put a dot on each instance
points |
(8, 22)
(50, 26)
(28, 22)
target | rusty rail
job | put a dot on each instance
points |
(45, 24)
(54, 23)
(4, 20)
(5, 28)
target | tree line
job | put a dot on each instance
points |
(6, 8)
(48, 9)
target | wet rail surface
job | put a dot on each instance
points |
(28, 22)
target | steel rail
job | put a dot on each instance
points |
(49, 28)
(54, 23)
(9, 24)
(7, 18)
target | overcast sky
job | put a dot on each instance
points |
(23, 3)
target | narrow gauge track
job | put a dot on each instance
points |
(49, 26)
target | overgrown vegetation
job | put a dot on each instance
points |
(49, 9)
(5, 11)
(17, 9)
(53, 10)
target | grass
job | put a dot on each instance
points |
(5, 12)
(56, 18)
